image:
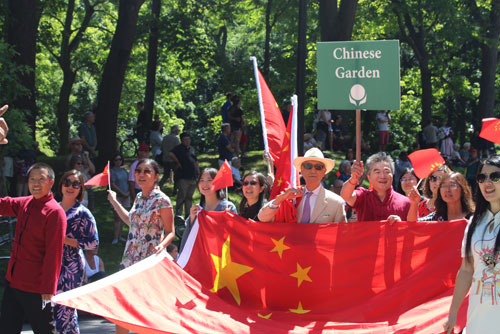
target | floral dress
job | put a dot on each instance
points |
(82, 227)
(146, 227)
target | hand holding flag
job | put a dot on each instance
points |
(224, 177)
(425, 162)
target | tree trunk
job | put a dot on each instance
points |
(425, 80)
(22, 23)
(267, 42)
(152, 61)
(336, 23)
(63, 107)
(489, 61)
(110, 87)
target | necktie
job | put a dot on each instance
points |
(306, 211)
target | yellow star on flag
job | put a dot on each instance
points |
(285, 149)
(264, 316)
(279, 246)
(299, 309)
(228, 272)
(301, 274)
(280, 181)
(497, 126)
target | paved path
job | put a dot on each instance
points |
(88, 325)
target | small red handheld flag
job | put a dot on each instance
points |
(100, 180)
(224, 177)
(491, 130)
(425, 162)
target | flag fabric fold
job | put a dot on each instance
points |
(425, 162)
(491, 130)
(223, 178)
(273, 125)
(101, 179)
(250, 277)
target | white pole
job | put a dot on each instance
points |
(109, 177)
(261, 105)
(293, 141)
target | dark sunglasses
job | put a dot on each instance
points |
(493, 177)
(308, 165)
(435, 178)
(118, 159)
(74, 184)
(143, 171)
(252, 183)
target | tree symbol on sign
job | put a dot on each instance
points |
(357, 96)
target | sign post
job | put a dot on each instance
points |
(358, 75)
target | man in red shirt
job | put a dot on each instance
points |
(35, 259)
(380, 202)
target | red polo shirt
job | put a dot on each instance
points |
(369, 207)
(35, 259)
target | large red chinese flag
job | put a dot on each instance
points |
(101, 179)
(425, 162)
(274, 123)
(491, 130)
(249, 277)
(224, 177)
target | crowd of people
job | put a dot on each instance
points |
(59, 241)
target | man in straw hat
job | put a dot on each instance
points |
(380, 202)
(317, 205)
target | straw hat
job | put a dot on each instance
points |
(314, 154)
(74, 139)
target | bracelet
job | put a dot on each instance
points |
(273, 206)
(354, 184)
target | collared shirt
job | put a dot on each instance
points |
(312, 200)
(369, 207)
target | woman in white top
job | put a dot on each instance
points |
(480, 270)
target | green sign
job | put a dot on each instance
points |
(358, 75)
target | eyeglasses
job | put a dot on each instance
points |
(435, 178)
(251, 183)
(493, 177)
(145, 171)
(451, 186)
(410, 179)
(308, 166)
(73, 184)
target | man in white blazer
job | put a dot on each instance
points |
(317, 205)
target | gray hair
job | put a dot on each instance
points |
(466, 144)
(343, 164)
(42, 165)
(379, 157)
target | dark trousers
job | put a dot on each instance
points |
(18, 304)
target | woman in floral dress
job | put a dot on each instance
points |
(150, 221)
(81, 233)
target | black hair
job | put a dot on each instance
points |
(151, 162)
(219, 193)
(184, 134)
(407, 170)
(262, 194)
(117, 154)
(481, 206)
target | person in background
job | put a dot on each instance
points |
(324, 129)
(383, 120)
(309, 141)
(446, 136)
(237, 122)
(87, 133)
(133, 186)
(402, 163)
(77, 163)
(81, 233)
(187, 170)
(155, 139)
(338, 137)
(224, 144)
(345, 170)
(430, 133)
(37, 248)
(168, 143)
(465, 152)
(151, 219)
(456, 159)
(94, 266)
(235, 169)
(380, 201)
(254, 191)
(472, 166)
(24, 159)
(406, 182)
(285, 112)
(226, 107)
(453, 200)
(318, 205)
(119, 184)
(430, 189)
(173, 250)
(479, 273)
(210, 200)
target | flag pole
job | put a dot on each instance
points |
(358, 135)
(109, 177)
(227, 200)
(261, 108)
(293, 141)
